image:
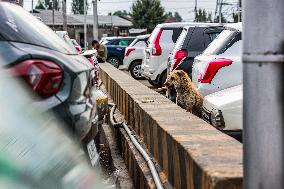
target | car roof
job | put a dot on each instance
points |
(182, 24)
(205, 25)
(234, 26)
(143, 36)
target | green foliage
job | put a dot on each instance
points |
(224, 20)
(178, 17)
(147, 14)
(42, 4)
(203, 16)
(121, 13)
(78, 6)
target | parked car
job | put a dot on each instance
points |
(35, 152)
(116, 48)
(223, 109)
(77, 46)
(192, 42)
(220, 65)
(51, 69)
(133, 56)
(159, 46)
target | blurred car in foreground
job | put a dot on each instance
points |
(77, 46)
(220, 65)
(224, 109)
(64, 35)
(133, 56)
(116, 48)
(34, 150)
(52, 70)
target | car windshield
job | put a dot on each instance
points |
(18, 25)
(220, 42)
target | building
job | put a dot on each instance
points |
(108, 25)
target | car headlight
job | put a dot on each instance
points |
(217, 119)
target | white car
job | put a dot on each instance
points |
(220, 65)
(160, 45)
(224, 109)
(133, 56)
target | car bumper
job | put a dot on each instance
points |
(123, 67)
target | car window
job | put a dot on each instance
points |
(221, 41)
(196, 42)
(20, 26)
(123, 43)
(166, 37)
(176, 34)
(212, 36)
(235, 48)
(140, 43)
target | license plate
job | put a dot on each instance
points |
(93, 153)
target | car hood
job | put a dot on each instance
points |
(228, 98)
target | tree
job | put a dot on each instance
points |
(223, 19)
(147, 14)
(203, 16)
(121, 13)
(178, 17)
(47, 4)
(78, 6)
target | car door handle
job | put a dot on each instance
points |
(119, 49)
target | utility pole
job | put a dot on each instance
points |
(21, 3)
(85, 25)
(53, 7)
(263, 79)
(32, 6)
(195, 7)
(96, 20)
(64, 15)
(220, 11)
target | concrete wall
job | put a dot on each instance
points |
(191, 153)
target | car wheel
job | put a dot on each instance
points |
(113, 61)
(135, 70)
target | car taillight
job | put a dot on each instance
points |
(128, 51)
(43, 76)
(212, 69)
(157, 49)
(79, 50)
(178, 57)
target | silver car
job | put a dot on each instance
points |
(220, 65)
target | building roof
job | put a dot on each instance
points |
(46, 17)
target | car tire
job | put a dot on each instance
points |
(114, 61)
(135, 70)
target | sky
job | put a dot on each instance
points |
(184, 7)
